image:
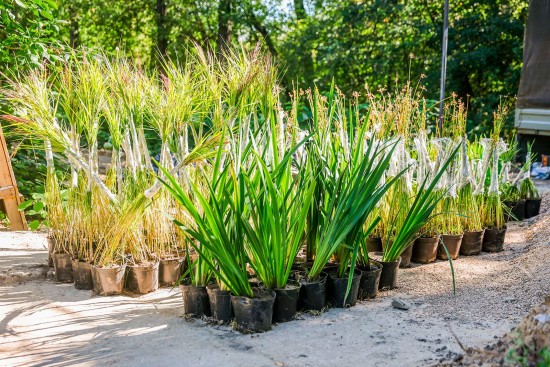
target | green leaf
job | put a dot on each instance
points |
(34, 225)
(25, 205)
(21, 4)
(38, 206)
(46, 14)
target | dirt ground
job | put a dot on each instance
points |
(46, 323)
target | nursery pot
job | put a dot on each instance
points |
(370, 280)
(82, 273)
(220, 303)
(516, 210)
(254, 314)
(63, 267)
(390, 271)
(286, 302)
(532, 207)
(313, 294)
(452, 242)
(195, 300)
(374, 244)
(471, 243)
(170, 270)
(143, 278)
(108, 281)
(406, 256)
(425, 250)
(493, 239)
(51, 247)
(338, 286)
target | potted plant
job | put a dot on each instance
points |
(493, 215)
(527, 190)
(278, 204)
(417, 216)
(370, 273)
(354, 191)
(218, 230)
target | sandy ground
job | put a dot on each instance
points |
(43, 323)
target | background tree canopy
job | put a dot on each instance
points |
(370, 42)
(379, 43)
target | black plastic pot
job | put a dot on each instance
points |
(452, 242)
(472, 243)
(374, 244)
(515, 210)
(63, 267)
(338, 286)
(286, 302)
(406, 256)
(370, 280)
(170, 270)
(390, 271)
(195, 300)
(254, 314)
(142, 279)
(493, 239)
(82, 274)
(532, 207)
(313, 295)
(220, 303)
(425, 250)
(108, 281)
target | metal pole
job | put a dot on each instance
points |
(443, 66)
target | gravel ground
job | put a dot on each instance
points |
(45, 323)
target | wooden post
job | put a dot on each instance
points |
(9, 194)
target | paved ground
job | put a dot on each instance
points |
(43, 323)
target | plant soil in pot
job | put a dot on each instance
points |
(313, 294)
(452, 242)
(143, 278)
(82, 273)
(425, 250)
(472, 242)
(390, 271)
(254, 314)
(532, 207)
(406, 257)
(170, 270)
(370, 280)
(338, 286)
(374, 244)
(195, 300)
(220, 303)
(286, 302)
(493, 239)
(108, 281)
(63, 267)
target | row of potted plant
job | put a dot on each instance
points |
(240, 187)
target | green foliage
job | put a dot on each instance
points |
(35, 211)
(29, 33)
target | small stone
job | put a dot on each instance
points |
(400, 304)
(542, 318)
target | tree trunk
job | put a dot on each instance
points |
(224, 25)
(162, 31)
(301, 15)
(74, 40)
(299, 9)
(261, 29)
